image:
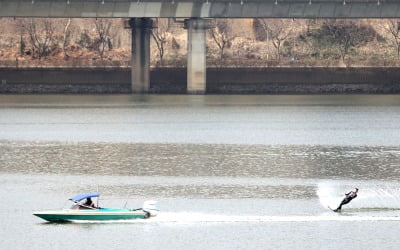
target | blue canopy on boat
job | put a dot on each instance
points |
(80, 197)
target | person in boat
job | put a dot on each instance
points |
(349, 197)
(88, 203)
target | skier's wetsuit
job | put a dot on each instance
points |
(349, 196)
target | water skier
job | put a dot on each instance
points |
(349, 196)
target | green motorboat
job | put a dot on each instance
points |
(87, 211)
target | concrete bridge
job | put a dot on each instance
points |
(202, 8)
(197, 14)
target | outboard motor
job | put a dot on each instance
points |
(150, 207)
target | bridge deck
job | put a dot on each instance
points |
(202, 8)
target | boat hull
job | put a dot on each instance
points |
(102, 214)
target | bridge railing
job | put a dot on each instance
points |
(202, 8)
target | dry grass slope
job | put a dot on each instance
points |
(247, 43)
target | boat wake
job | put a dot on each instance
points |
(199, 217)
(191, 218)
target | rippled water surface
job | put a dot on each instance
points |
(229, 172)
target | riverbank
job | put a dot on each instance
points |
(282, 80)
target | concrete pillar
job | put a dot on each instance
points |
(196, 54)
(141, 32)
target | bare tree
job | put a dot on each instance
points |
(222, 35)
(309, 24)
(41, 36)
(66, 37)
(103, 39)
(340, 36)
(277, 30)
(159, 34)
(392, 27)
(344, 35)
(1, 28)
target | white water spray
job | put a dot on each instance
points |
(378, 195)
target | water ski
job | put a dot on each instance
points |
(334, 210)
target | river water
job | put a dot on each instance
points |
(229, 172)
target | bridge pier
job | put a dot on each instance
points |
(196, 54)
(140, 59)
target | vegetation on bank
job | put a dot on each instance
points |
(230, 43)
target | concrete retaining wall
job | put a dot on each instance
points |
(219, 80)
(304, 80)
